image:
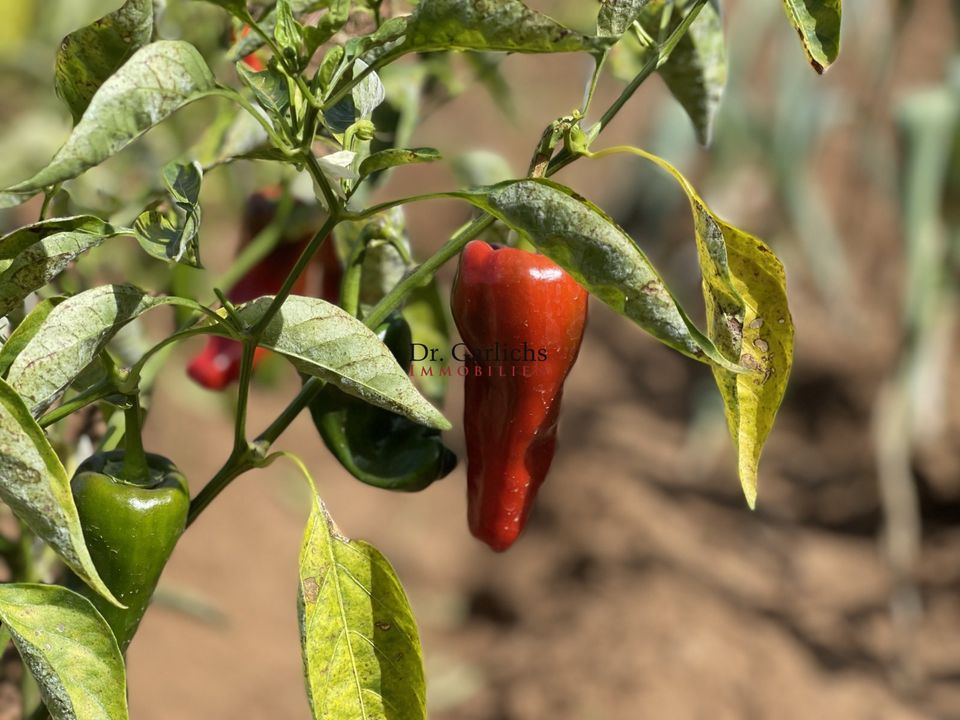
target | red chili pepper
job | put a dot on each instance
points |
(252, 60)
(522, 319)
(218, 364)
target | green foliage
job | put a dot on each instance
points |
(392, 157)
(616, 16)
(70, 338)
(696, 70)
(69, 649)
(34, 484)
(89, 56)
(36, 254)
(506, 25)
(153, 84)
(818, 23)
(174, 235)
(322, 340)
(361, 649)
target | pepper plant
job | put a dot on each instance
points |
(305, 87)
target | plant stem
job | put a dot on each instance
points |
(305, 257)
(47, 199)
(243, 396)
(134, 459)
(425, 271)
(87, 397)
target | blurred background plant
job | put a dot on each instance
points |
(643, 574)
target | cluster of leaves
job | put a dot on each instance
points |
(359, 639)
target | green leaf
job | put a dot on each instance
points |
(87, 57)
(360, 645)
(34, 484)
(397, 156)
(33, 255)
(25, 331)
(616, 16)
(363, 99)
(391, 37)
(506, 25)
(744, 290)
(270, 87)
(425, 312)
(329, 24)
(818, 23)
(174, 236)
(157, 81)
(252, 42)
(70, 338)
(322, 340)
(751, 400)
(696, 71)
(288, 32)
(587, 243)
(69, 649)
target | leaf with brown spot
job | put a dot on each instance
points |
(361, 648)
(817, 22)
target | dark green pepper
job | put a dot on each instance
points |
(376, 446)
(131, 529)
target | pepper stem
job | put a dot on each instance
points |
(135, 467)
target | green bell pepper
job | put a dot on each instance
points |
(131, 529)
(376, 446)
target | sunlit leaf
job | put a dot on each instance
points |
(322, 340)
(25, 331)
(818, 23)
(35, 254)
(157, 81)
(34, 484)
(87, 57)
(616, 16)
(69, 649)
(360, 645)
(397, 156)
(72, 335)
(506, 25)
(696, 71)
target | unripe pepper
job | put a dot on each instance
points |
(522, 319)
(376, 446)
(131, 528)
(218, 364)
